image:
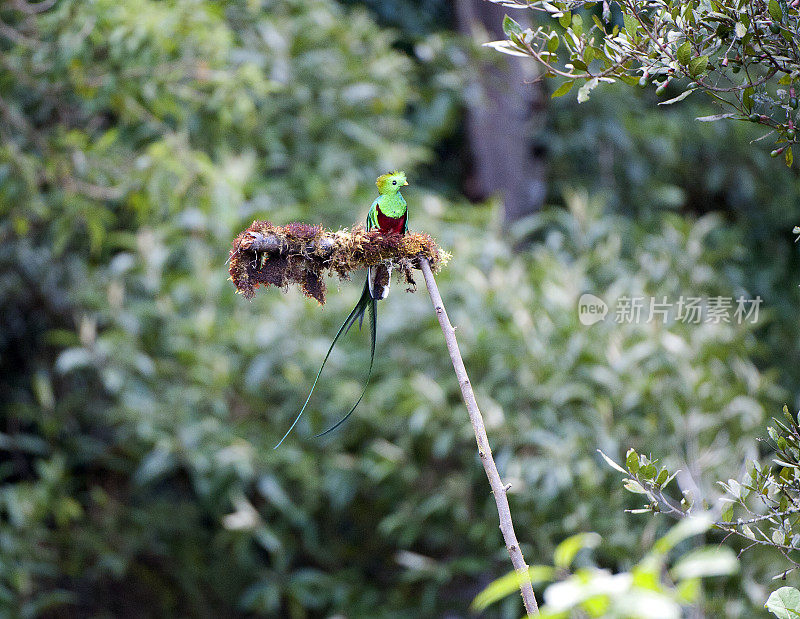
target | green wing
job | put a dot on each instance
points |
(372, 216)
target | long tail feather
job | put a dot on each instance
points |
(355, 314)
(373, 316)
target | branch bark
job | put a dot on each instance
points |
(498, 488)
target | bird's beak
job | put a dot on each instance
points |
(406, 183)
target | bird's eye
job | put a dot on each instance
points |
(394, 182)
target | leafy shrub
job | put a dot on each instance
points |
(743, 55)
(595, 592)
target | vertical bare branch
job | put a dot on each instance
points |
(498, 489)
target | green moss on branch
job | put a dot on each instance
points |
(303, 254)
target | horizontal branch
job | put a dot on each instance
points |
(303, 254)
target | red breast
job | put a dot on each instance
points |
(391, 224)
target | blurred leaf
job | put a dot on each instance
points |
(506, 47)
(704, 562)
(684, 52)
(562, 90)
(511, 27)
(508, 584)
(698, 65)
(611, 463)
(784, 603)
(686, 528)
(715, 117)
(583, 91)
(565, 552)
(775, 10)
(680, 97)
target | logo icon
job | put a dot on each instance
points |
(591, 309)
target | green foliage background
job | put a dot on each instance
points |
(140, 398)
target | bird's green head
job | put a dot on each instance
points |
(391, 182)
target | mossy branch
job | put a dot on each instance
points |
(303, 254)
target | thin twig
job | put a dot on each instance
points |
(665, 506)
(498, 488)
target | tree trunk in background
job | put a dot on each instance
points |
(502, 112)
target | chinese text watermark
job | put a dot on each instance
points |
(684, 309)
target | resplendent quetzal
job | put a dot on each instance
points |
(388, 214)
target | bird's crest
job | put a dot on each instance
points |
(391, 182)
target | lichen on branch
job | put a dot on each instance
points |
(304, 254)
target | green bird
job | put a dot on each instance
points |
(389, 214)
